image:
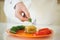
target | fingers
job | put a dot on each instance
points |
(26, 13)
(18, 14)
(24, 9)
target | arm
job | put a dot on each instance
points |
(19, 9)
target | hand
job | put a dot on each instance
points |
(21, 8)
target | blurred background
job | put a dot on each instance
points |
(3, 17)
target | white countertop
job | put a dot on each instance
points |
(55, 28)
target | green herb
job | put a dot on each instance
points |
(30, 20)
(14, 29)
(21, 27)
